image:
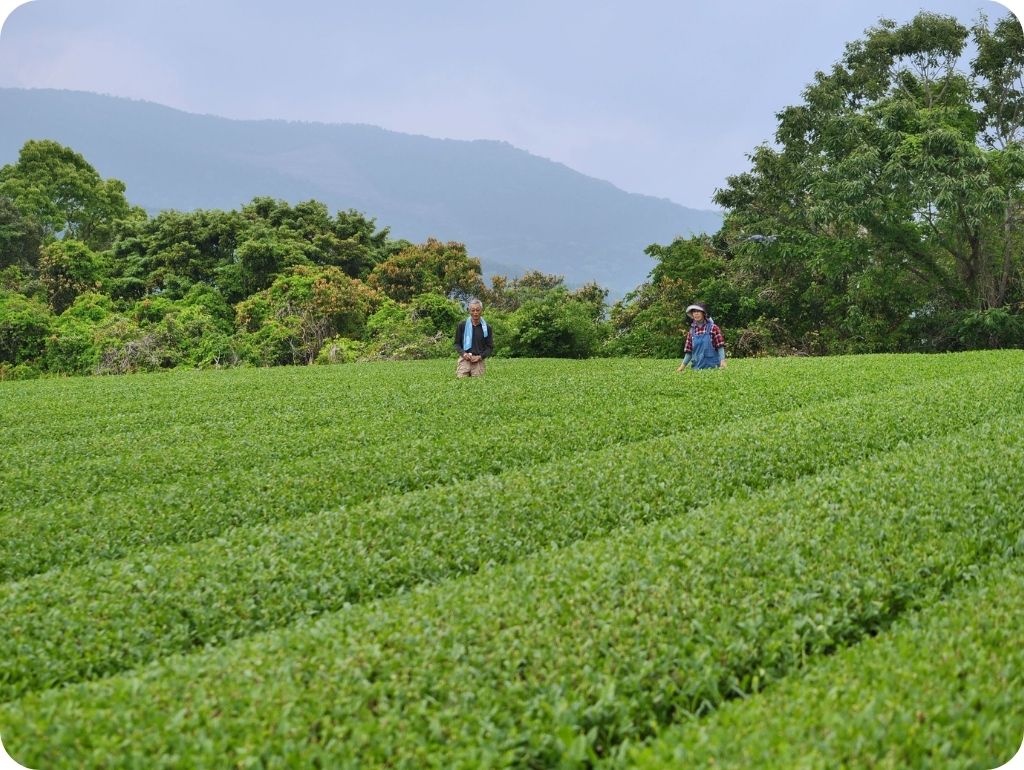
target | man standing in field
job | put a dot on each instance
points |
(705, 344)
(474, 342)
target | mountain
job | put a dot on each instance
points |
(513, 210)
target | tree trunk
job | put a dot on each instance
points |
(1008, 232)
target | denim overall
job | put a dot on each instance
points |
(704, 355)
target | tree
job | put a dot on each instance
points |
(75, 347)
(68, 268)
(176, 250)
(437, 313)
(20, 237)
(353, 227)
(999, 65)
(651, 321)
(24, 326)
(349, 241)
(55, 188)
(593, 297)
(261, 257)
(436, 267)
(289, 322)
(555, 326)
(510, 294)
(422, 329)
(894, 192)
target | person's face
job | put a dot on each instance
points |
(697, 315)
(474, 312)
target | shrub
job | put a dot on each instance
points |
(555, 327)
(439, 314)
(650, 322)
(210, 299)
(24, 326)
(289, 322)
(152, 310)
(198, 338)
(763, 337)
(72, 348)
(124, 347)
(434, 266)
(14, 279)
(398, 333)
(340, 350)
(993, 328)
(66, 269)
(19, 372)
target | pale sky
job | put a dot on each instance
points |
(661, 97)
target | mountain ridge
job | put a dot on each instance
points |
(514, 210)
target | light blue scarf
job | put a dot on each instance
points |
(467, 333)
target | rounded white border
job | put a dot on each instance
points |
(6, 763)
(6, 9)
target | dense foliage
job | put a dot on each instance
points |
(333, 566)
(886, 216)
(89, 284)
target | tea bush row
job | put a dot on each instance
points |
(574, 654)
(101, 618)
(92, 423)
(269, 454)
(940, 689)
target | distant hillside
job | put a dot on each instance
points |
(514, 210)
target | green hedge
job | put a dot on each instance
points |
(108, 616)
(941, 689)
(101, 468)
(573, 654)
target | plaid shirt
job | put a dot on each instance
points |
(717, 339)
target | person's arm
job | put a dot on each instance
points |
(719, 342)
(459, 331)
(687, 351)
(721, 357)
(488, 347)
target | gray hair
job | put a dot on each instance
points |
(476, 302)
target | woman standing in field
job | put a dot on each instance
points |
(705, 345)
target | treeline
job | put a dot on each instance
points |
(886, 217)
(90, 284)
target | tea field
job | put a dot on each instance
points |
(792, 563)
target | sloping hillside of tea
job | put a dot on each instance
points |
(563, 564)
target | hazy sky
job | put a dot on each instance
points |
(663, 97)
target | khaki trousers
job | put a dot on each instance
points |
(470, 369)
